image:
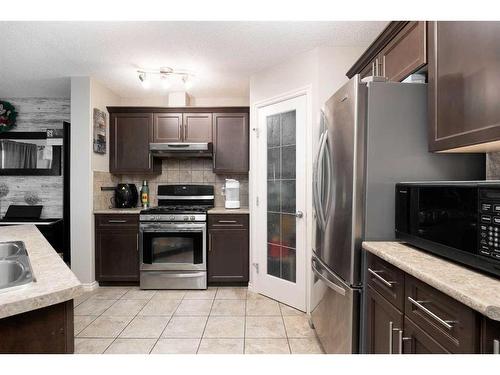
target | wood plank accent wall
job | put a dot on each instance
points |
(37, 114)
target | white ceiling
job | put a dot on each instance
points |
(37, 58)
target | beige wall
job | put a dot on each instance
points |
(100, 98)
(323, 71)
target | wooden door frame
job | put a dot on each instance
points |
(308, 213)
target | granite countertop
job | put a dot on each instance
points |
(130, 211)
(55, 282)
(223, 210)
(476, 290)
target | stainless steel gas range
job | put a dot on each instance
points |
(173, 238)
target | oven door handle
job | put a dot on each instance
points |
(169, 228)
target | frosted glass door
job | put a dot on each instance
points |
(281, 221)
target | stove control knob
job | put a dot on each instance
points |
(192, 218)
(186, 218)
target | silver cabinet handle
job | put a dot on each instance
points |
(448, 324)
(210, 242)
(496, 346)
(391, 332)
(380, 278)
(137, 242)
(299, 214)
(111, 221)
(227, 221)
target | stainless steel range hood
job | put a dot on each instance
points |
(181, 150)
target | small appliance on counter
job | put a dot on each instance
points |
(231, 190)
(126, 196)
(459, 220)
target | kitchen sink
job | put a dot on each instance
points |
(15, 267)
(10, 249)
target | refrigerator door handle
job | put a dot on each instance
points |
(316, 182)
(325, 279)
(329, 196)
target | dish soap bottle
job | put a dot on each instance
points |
(145, 194)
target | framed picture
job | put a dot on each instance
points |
(99, 131)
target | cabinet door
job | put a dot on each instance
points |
(130, 134)
(416, 341)
(231, 142)
(450, 323)
(490, 336)
(197, 127)
(383, 322)
(116, 255)
(463, 85)
(406, 53)
(228, 255)
(167, 127)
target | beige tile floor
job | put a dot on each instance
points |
(217, 321)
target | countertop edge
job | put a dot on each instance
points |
(490, 311)
(53, 298)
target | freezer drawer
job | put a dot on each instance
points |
(336, 316)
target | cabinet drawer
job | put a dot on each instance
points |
(116, 220)
(386, 279)
(452, 324)
(228, 221)
(416, 341)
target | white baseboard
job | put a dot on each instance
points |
(89, 287)
(251, 288)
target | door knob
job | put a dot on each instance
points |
(299, 214)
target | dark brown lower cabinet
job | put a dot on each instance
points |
(49, 330)
(490, 336)
(428, 322)
(117, 249)
(227, 255)
(383, 322)
(416, 341)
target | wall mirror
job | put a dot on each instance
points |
(30, 154)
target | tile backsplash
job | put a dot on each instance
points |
(493, 166)
(174, 171)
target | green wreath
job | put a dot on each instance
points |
(8, 116)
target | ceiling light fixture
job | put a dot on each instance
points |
(143, 77)
(168, 77)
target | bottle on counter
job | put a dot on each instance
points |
(145, 194)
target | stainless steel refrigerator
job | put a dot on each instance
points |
(374, 135)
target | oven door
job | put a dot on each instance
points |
(173, 246)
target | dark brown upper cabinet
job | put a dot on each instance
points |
(464, 75)
(406, 53)
(182, 127)
(399, 50)
(197, 127)
(130, 134)
(231, 142)
(167, 127)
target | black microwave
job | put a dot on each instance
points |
(459, 221)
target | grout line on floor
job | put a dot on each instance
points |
(206, 323)
(284, 327)
(163, 330)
